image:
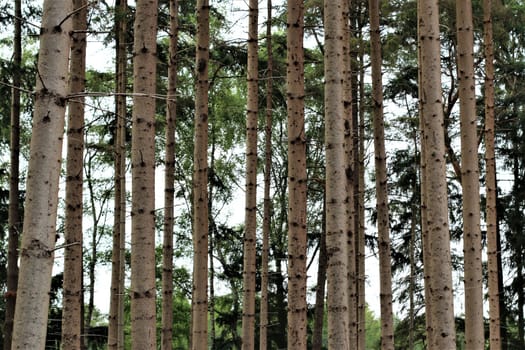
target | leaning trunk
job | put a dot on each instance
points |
(39, 233)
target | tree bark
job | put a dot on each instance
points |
(441, 298)
(296, 177)
(383, 222)
(200, 180)
(336, 218)
(14, 223)
(72, 284)
(320, 291)
(249, 272)
(39, 233)
(474, 327)
(116, 306)
(169, 181)
(143, 323)
(491, 187)
(267, 202)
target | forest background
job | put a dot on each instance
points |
(226, 157)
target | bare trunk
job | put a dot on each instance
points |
(116, 307)
(383, 222)
(296, 177)
(169, 181)
(336, 218)
(39, 233)
(474, 327)
(441, 298)
(490, 159)
(72, 285)
(249, 271)
(317, 336)
(263, 331)
(200, 180)
(143, 323)
(14, 223)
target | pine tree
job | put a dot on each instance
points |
(248, 314)
(72, 285)
(296, 176)
(474, 329)
(200, 180)
(336, 220)
(383, 221)
(441, 327)
(143, 289)
(39, 232)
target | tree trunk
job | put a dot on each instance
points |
(249, 272)
(350, 154)
(263, 331)
(39, 233)
(360, 207)
(336, 218)
(296, 177)
(14, 182)
(320, 291)
(143, 323)
(441, 298)
(491, 188)
(383, 222)
(72, 284)
(200, 180)
(474, 327)
(169, 181)
(116, 306)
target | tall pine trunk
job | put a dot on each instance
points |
(200, 180)
(169, 182)
(72, 285)
(14, 182)
(383, 222)
(474, 327)
(296, 176)
(440, 274)
(267, 202)
(116, 306)
(143, 290)
(249, 268)
(491, 188)
(336, 218)
(39, 233)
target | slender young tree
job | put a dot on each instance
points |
(336, 219)
(491, 187)
(441, 328)
(474, 327)
(249, 270)
(263, 331)
(143, 334)
(383, 222)
(320, 290)
(72, 285)
(116, 306)
(200, 181)
(169, 182)
(39, 233)
(296, 176)
(14, 181)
